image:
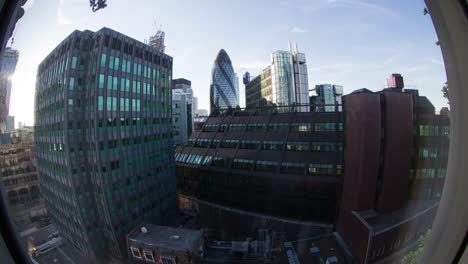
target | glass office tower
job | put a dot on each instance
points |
(223, 88)
(328, 98)
(104, 138)
(284, 83)
(8, 61)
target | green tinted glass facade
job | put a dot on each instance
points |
(105, 148)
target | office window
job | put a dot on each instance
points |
(109, 104)
(210, 128)
(292, 168)
(148, 255)
(255, 127)
(73, 63)
(135, 252)
(116, 63)
(111, 62)
(297, 146)
(115, 83)
(124, 65)
(262, 165)
(272, 145)
(100, 103)
(101, 81)
(242, 164)
(278, 127)
(72, 83)
(249, 144)
(218, 162)
(237, 127)
(229, 143)
(301, 127)
(109, 82)
(207, 160)
(168, 260)
(114, 103)
(103, 60)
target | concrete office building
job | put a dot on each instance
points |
(390, 199)
(246, 165)
(283, 83)
(182, 122)
(328, 98)
(224, 91)
(167, 245)
(8, 61)
(244, 159)
(182, 110)
(195, 107)
(19, 180)
(104, 139)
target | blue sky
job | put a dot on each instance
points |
(355, 43)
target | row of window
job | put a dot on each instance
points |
(430, 173)
(111, 104)
(428, 130)
(260, 165)
(125, 85)
(268, 145)
(138, 69)
(293, 127)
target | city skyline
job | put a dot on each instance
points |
(363, 59)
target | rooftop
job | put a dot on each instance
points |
(384, 222)
(313, 251)
(166, 237)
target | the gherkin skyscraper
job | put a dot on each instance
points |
(224, 88)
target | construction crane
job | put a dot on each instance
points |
(97, 4)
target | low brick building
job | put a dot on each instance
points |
(166, 245)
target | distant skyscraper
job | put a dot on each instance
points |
(283, 83)
(104, 141)
(8, 61)
(202, 112)
(195, 107)
(182, 110)
(328, 98)
(223, 88)
(395, 81)
(10, 123)
(157, 41)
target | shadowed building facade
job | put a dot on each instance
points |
(104, 138)
(394, 171)
(283, 169)
(224, 88)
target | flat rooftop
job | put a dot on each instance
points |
(414, 209)
(312, 251)
(166, 237)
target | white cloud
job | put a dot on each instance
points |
(298, 30)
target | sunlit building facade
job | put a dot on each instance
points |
(224, 91)
(104, 138)
(328, 98)
(284, 83)
(8, 61)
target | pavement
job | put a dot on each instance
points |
(64, 254)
